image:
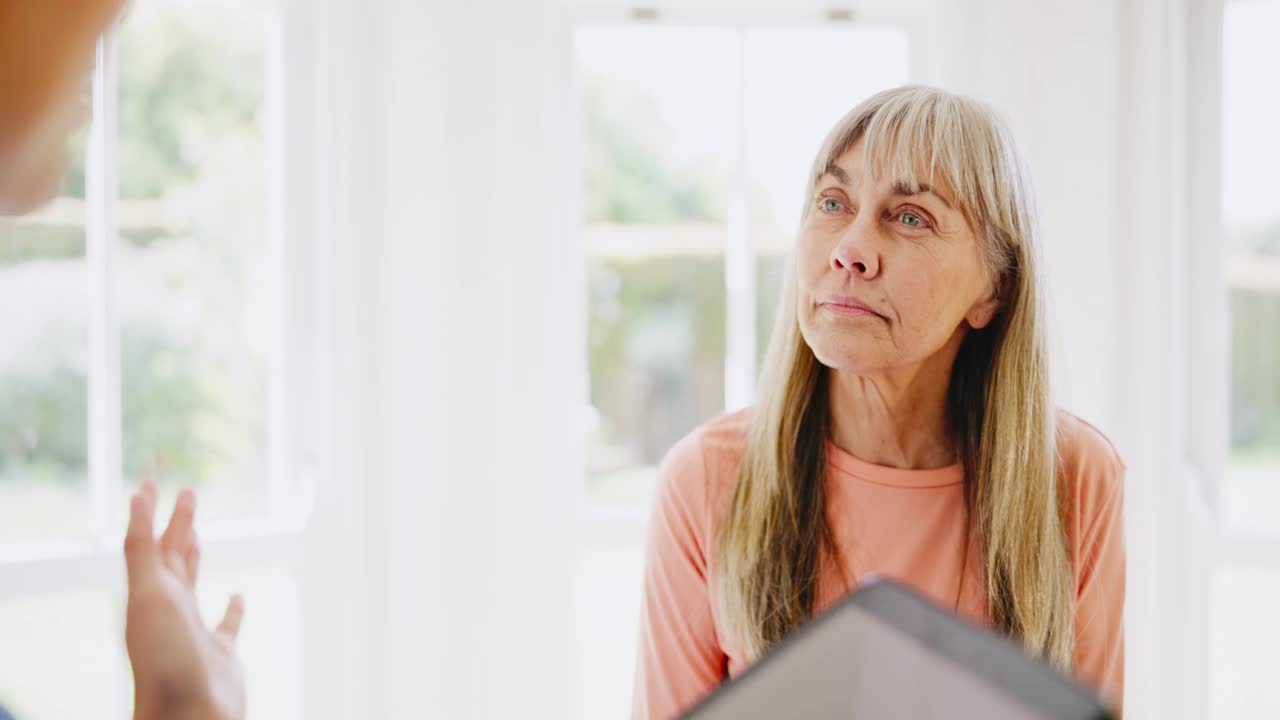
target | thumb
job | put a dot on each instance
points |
(230, 625)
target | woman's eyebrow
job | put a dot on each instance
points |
(902, 187)
(838, 173)
(905, 189)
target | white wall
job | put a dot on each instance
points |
(1054, 69)
(456, 463)
(478, 405)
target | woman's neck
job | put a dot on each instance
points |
(896, 418)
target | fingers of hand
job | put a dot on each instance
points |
(139, 540)
(230, 625)
(192, 565)
(179, 537)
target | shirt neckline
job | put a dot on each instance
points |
(862, 470)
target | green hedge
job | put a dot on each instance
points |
(1255, 370)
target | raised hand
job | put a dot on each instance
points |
(181, 668)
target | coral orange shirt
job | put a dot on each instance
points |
(896, 523)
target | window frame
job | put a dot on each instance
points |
(1178, 366)
(282, 538)
(1210, 447)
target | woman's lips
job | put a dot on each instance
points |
(848, 310)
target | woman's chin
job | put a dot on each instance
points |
(855, 360)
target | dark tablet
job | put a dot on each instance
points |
(886, 652)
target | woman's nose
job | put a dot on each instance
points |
(855, 251)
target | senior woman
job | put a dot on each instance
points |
(904, 426)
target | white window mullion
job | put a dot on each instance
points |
(101, 188)
(282, 414)
(740, 263)
(105, 471)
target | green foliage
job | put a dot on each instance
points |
(43, 414)
(73, 183)
(769, 270)
(657, 335)
(630, 177)
(179, 87)
(166, 393)
(23, 242)
(176, 408)
(1255, 371)
(1261, 240)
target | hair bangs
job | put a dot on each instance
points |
(920, 138)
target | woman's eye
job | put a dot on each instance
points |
(913, 220)
(829, 204)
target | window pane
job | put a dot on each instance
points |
(60, 656)
(658, 107)
(197, 289)
(43, 366)
(1244, 651)
(1251, 211)
(793, 99)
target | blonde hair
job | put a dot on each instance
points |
(774, 537)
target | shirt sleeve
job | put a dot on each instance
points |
(1100, 590)
(680, 659)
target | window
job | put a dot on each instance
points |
(696, 140)
(43, 370)
(659, 156)
(151, 299)
(1251, 215)
(196, 291)
(695, 163)
(1244, 594)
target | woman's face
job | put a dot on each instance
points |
(885, 278)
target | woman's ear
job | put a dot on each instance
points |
(985, 309)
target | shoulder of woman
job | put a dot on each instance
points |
(703, 465)
(1082, 444)
(1091, 469)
